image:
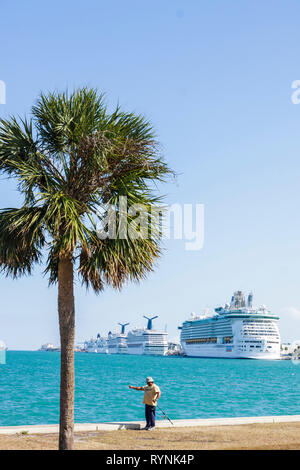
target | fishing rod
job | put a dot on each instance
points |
(165, 416)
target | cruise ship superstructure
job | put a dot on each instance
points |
(117, 342)
(98, 345)
(235, 330)
(147, 340)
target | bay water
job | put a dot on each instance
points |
(191, 387)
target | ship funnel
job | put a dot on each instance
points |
(149, 324)
(98, 335)
(123, 325)
(250, 300)
(239, 299)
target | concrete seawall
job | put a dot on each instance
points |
(114, 426)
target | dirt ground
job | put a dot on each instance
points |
(248, 436)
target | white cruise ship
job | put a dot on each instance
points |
(3, 349)
(48, 347)
(147, 341)
(98, 345)
(236, 330)
(117, 342)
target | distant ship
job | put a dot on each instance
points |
(98, 345)
(48, 347)
(117, 342)
(236, 330)
(3, 350)
(147, 341)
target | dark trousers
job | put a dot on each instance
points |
(150, 416)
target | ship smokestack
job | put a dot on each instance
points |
(250, 300)
(123, 325)
(149, 324)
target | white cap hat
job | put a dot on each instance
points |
(149, 379)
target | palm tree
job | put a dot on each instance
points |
(72, 159)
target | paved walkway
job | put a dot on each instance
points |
(113, 426)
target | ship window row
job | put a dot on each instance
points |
(265, 327)
(205, 323)
(259, 330)
(208, 328)
(226, 340)
(259, 327)
(252, 341)
(143, 336)
(260, 333)
(257, 342)
(254, 333)
(151, 343)
(134, 345)
(207, 333)
(258, 321)
(200, 327)
(148, 340)
(203, 334)
(187, 337)
(201, 340)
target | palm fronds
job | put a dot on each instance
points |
(72, 158)
(21, 239)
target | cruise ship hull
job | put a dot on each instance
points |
(117, 350)
(96, 346)
(97, 350)
(102, 351)
(214, 351)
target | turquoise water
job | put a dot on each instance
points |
(191, 387)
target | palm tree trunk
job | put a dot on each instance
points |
(66, 313)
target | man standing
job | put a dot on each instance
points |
(151, 395)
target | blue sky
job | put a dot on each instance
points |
(215, 79)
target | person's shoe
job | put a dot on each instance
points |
(146, 428)
(152, 428)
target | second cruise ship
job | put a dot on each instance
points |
(236, 330)
(147, 341)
